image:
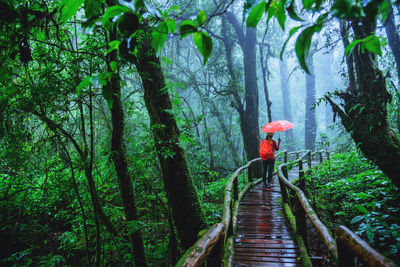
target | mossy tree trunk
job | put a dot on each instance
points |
(178, 183)
(249, 110)
(364, 113)
(119, 159)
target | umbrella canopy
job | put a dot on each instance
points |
(277, 126)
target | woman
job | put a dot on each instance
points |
(267, 148)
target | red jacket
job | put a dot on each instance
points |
(275, 147)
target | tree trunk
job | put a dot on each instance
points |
(365, 113)
(120, 164)
(178, 183)
(344, 32)
(287, 114)
(310, 123)
(264, 70)
(394, 40)
(249, 118)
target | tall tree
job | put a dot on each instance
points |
(119, 155)
(394, 40)
(248, 111)
(264, 72)
(287, 113)
(364, 114)
(178, 183)
(310, 125)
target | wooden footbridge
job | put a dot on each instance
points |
(269, 227)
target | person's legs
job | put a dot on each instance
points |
(270, 163)
(264, 171)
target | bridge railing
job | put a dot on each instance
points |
(215, 247)
(218, 240)
(347, 246)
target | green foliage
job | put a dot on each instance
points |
(204, 44)
(350, 191)
(69, 8)
(371, 43)
(256, 14)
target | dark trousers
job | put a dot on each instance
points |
(268, 165)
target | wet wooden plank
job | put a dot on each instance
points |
(263, 237)
(243, 263)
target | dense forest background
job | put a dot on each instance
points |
(120, 121)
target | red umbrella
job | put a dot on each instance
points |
(277, 126)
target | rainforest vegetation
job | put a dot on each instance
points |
(121, 121)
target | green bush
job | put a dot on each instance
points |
(349, 190)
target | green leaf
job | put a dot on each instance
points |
(159, 36)
(83, 84)
(322, 18)
(70, 8)
(308, 4)
(281, 15)
(292, 13)
(204, 43)
(373, 45)
(41, 35)
(139, 4)
(350, 47)
(171, 25)
(187, 27)
(384, 11)
(292, 31)
(92, 8)
(201, 18)
(303, 43)
(113, 45)
(357, 219)
(256, 14)
(113, 66)
(111, 12)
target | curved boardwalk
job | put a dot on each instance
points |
(263, 235)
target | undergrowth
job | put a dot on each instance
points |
(349, 190)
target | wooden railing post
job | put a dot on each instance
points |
(309, 159)
(217, 254)
(235, 189)
(346, 257)
(282, 185)
(302, 183)
(320, 157)
(285, 156)
(301, 223)
(250, 174)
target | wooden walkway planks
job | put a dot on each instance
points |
(263, 236)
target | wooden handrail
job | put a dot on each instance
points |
(197, 254)
(351, 245)
(318, 225)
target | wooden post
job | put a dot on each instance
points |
(301, 223)
(320, 157)
(235, 189)
(328, 155)
(283, 186)
(250, 174)
(309, 159)
(217, 254)
(297, 155)
(346, 257)
(230, 226)
(302, 182)
(285, 156)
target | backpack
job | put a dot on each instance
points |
(266, 150)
